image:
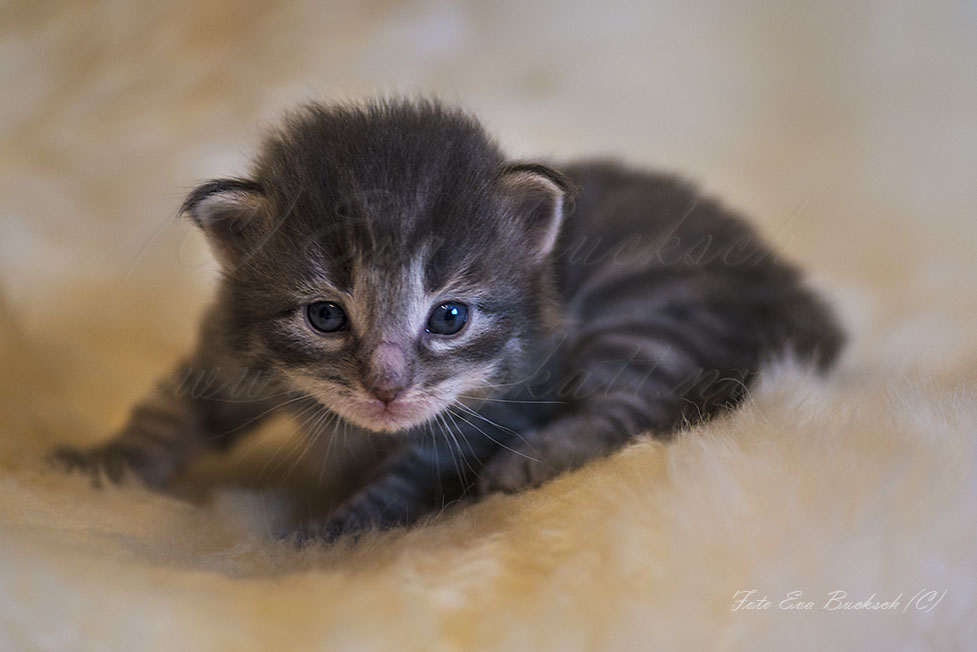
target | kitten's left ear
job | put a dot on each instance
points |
(537, 197)
(232, 214)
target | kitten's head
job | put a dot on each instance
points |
(385, 259)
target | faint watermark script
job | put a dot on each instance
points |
(923, 600)
(248, 230)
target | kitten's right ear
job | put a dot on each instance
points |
(230, 212)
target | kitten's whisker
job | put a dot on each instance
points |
(508, 400)
(254, 400)
(313, 412)
(454, 460)
(253, 444)
(496, 441)
(475, 456)
(278, 454)
(437, 461)
(321, 423)
(312, 433)
(260, 416)
(474, 413)
(497, 385)
(457, 442)
(332, 440)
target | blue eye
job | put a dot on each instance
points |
(448, 318)
(326, 316)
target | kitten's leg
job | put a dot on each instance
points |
(203, 405)
(425, 477)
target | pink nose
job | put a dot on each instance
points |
(387, 393)
(390, 373)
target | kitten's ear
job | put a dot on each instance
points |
(231, 213)
(536, 198)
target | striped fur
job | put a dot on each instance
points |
(604, 303)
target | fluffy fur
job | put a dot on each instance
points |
(863, 482)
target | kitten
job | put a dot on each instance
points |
(388, 273)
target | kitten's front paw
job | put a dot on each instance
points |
(350, 520)
(96, 463)
(378, 507)
(512, 471)
(319, 531)
(112, 461)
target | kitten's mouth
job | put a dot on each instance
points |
(388, 417)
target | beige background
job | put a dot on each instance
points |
(846, 130)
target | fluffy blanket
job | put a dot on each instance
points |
(827, 513)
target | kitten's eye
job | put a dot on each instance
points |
(326, 316)
(448, 318)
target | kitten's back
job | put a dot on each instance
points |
(649, 269)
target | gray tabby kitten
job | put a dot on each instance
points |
(389, 275)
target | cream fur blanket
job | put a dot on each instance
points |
(848, 131)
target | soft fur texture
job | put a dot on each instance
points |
(846, 131)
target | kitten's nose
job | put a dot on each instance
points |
(386, 394)
(389, 374)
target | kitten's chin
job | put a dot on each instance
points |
(391, 418)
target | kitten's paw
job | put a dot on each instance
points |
(110, 461)
(375, 508)
(512, 471)
(95, 463)
(312, 532)
(348, 521)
